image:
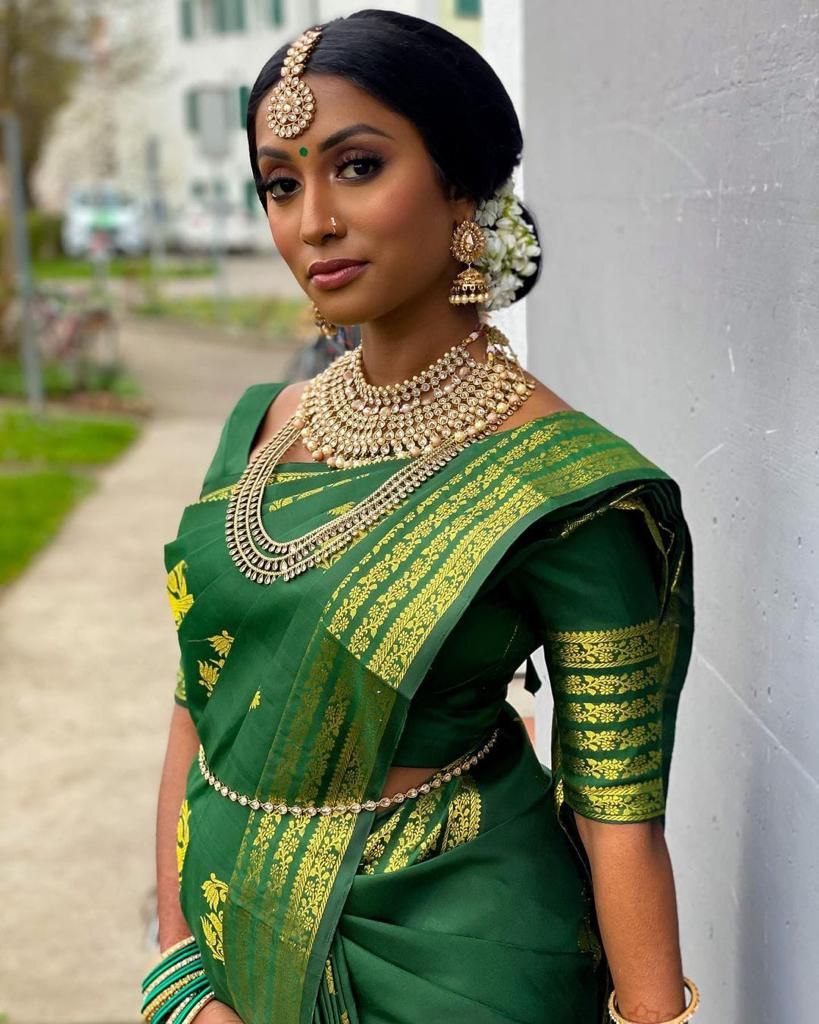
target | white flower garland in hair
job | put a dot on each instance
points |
(510, 245)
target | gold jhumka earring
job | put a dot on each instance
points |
(467, 245)
(327, 327)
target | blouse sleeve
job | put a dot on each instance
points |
(593, 597)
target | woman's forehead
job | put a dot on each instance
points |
(338, 104)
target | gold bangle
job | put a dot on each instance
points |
(185, 1012)
(688, 1012)
(189, 940)
(188, 961)
(167, 993)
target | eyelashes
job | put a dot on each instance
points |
(367, 159)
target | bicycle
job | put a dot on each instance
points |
(78, 335)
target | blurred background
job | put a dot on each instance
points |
(672, 163)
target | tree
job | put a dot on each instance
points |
(40, 58)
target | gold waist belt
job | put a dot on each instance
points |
(443, 775)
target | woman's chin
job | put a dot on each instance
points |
(346, 314)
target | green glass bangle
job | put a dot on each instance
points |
(180, 972)
(194, 989)
(169, 957)
(167, 995)
(186, 1014)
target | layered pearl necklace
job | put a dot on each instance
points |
(347, 422)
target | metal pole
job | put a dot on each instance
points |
(156, 204)
(22, 262)
(218, 208)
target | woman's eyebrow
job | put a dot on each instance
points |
(329, 142)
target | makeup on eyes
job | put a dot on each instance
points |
(349, 158)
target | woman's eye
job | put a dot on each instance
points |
(270, 185)
(357, 163)
(362, 167)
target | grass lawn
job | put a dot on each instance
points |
(122, 266)
(57, 381)
(46, 467)
(276, 318)
(32, 507)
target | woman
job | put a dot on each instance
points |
(353, 825)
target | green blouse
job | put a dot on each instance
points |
(585, 588)
(399, 649)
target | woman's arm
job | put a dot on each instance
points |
(183, 742)
(636, 906)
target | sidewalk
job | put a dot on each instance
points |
(89, 655)
(87, 642)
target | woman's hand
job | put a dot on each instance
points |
(215, 1012)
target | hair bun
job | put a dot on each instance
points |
(528, 283)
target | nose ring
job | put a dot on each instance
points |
(333, 222)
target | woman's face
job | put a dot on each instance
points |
(368, 167)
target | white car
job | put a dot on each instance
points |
(193, 229)
(102, 215)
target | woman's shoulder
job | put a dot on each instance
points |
(540, 402)
(563, 425)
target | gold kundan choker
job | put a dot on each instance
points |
(347, 422)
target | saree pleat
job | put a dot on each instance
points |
(474, 901)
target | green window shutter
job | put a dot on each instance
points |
(186, 18)
(191, 111)
(199, 189)
(276, 12)
(239, 22)
(251, 196)
(221, 16)
(244, 97)
(468, 8)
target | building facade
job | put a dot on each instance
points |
(207, 52)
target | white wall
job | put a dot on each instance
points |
(502, 46)
(672, 160)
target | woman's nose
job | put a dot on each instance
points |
(318, 219)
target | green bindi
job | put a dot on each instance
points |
(303, 151)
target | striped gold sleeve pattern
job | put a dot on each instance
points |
(608, 709)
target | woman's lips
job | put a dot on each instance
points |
(337, 278)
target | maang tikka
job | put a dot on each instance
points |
(291, 105)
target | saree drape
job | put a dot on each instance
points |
(474, 901)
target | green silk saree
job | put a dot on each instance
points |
(473, 901)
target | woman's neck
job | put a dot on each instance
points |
(399, 345)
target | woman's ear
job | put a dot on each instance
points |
(463, 206)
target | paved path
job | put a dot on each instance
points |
(89, 656)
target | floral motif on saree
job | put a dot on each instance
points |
(322, 681)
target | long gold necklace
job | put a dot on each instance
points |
(348, 422)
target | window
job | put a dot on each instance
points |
(236, 15)
(244, 97)
(191, 111)
(276, 12)
(468, 8)
(186, 18)
(251, 196)
(223, 16)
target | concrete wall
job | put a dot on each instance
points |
(502, 46)
(674, 167)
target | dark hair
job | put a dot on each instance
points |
(443, 85)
